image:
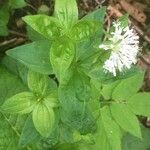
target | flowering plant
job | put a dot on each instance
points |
(72, 89)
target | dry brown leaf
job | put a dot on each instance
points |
(114, 12)
(140, 6)
(133, 11)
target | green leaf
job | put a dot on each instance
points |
(61, 57)
(29, 134)
(127, 121)
(11, 127)
(81, 86)
(4, 13)
(107, 89)
(21, 103)
(43, 119)
(111, 128)
(3, 29)
(130, 142)
(51, 100)
(66, 11)
(4, 18)
(124, 90)
(6, 81)
(74, 112)
(34, 35)
(84, 29)
(17, 3)
(16, 68)
(38, 83)
(48, 26)
(96, 15)
(140, 104)
(124, 20)
(34, 55)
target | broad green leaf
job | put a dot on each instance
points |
(43, 119)
(34, 55)
(61, 56)
(87, 51)
(11, 127)
(125, 118)
(111, 128)
(34, 35)
(96, 15)
(81, 86)
(140, 104)
(48, 26)
(84, 29)
(107, 89)
(21, 103)
(29, 134)
(51, 100)
(66, 134)
(51, 141)
(75, 112)
(130, 142)
(4, 18)
(4, 13)
(38, 83)
(17, 3)
(3, 29)
(128, 87)
(98, 73)
(16, 68)
(66, 11)
(6, 81)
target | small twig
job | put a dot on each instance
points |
(145, 61)
(8, 42)
(85, 4)
(17, 33)
(145, 37)
(35, 9)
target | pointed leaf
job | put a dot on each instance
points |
(66, 11)
(84, 29)
(140, 104)
(20, 103)
(43, 119)
(128, 87)
(130, 142)
(45, 25)
(51, 100)
(112, 130)
(107, 89)
(34, 55)
(61, 57)
(38, 83)
(128, 121)
(29, 134)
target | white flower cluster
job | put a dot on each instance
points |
(124, 46)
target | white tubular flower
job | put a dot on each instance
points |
(124, 46)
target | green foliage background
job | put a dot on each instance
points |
(54, 93)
